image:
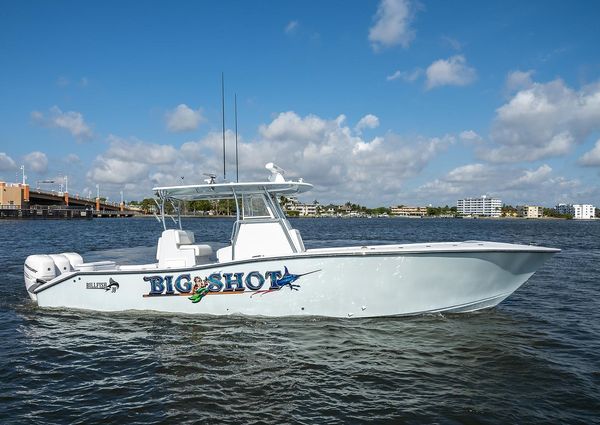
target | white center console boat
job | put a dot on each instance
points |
(267, 270)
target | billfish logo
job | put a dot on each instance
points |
(287, 279)
(112, 286)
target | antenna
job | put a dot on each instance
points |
(237, 168)
(211, 178)
(223, 115)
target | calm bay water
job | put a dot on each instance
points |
(535, 358)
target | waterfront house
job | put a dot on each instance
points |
(405, 211)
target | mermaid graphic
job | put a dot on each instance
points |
(199, 290)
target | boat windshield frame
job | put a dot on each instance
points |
(267, 191)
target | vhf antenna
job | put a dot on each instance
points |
(237, 168)
(223, 115)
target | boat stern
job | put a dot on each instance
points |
(40, 268)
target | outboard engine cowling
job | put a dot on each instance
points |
(74, 258)
(61, 263)
(38, 269)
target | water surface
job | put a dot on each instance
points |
(535, 358)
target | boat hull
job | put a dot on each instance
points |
(319, 283)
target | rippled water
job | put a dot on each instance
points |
(535, 358)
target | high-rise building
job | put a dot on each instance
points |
(483, 206)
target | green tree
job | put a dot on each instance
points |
(147, 205)
(202, 205)
(508, 210)
(551, 212)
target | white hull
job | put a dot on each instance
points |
(345, 282)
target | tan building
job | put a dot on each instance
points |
(13, 195)
(401, 210)
(530, 211)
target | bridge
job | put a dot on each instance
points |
(18, 200)
(38, 197)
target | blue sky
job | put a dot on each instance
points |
(377, 102)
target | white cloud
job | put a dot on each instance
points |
(326, 152)
(6, 162)
(367, 146)
(71, 121)
(518, 80)
(591, 158)
(531, 177)
(130, 161)
(512, 185)
(544, 120)
(290, 126)
(183, 118)
(36, 161)
(408, 76)
(135, 149)
(470, 136)
(73, 158)
(469, 173)
(291, 27)
(368, 121)
(453, 71)
(392, 25)
(117, 171)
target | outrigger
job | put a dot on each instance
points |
(266, 270)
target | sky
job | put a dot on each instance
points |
(375, 102)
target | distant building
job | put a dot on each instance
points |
(403, 211)
(13, 195)
(303, 209)
(578, 211)
(483, 206)
(307, 209)
(530, 211)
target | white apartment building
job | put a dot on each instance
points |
(529, 211)
(307, 209)
(483, 206)
(303, 209)
(578, 211)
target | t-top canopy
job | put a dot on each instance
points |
(229, 190)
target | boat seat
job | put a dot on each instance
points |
(176, 248)
(185, 240)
